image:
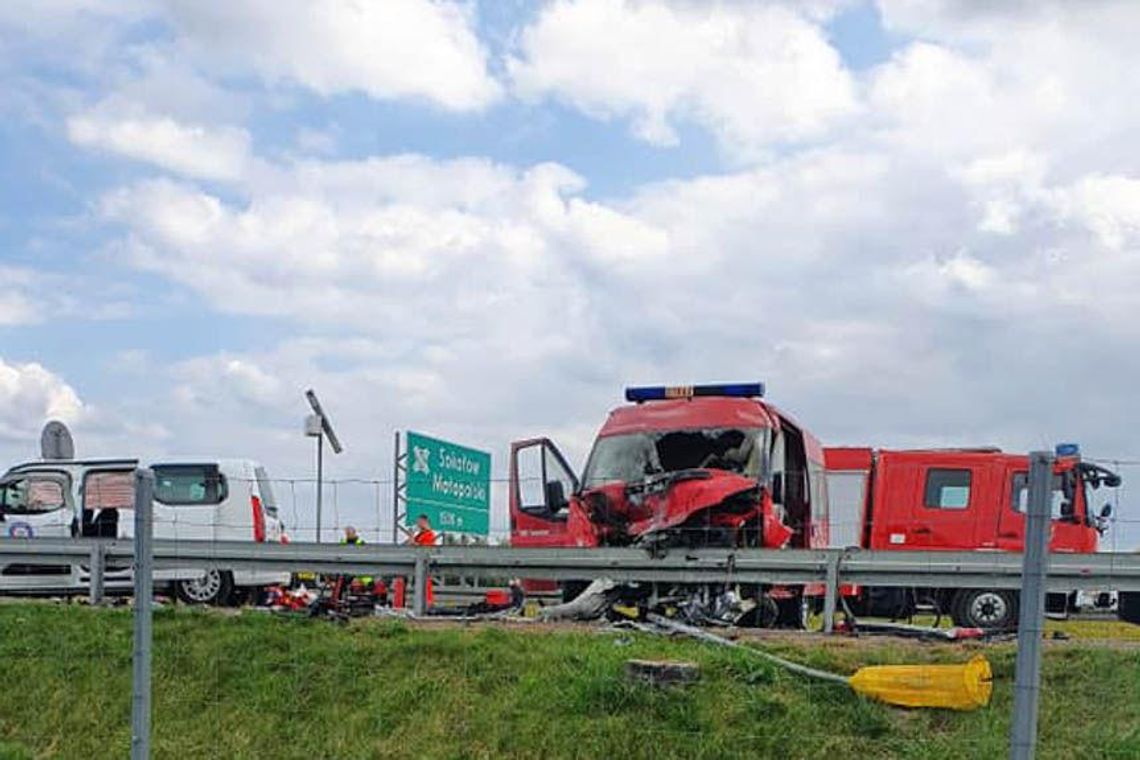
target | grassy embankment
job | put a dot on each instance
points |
(261, 686)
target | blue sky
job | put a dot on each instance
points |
(918, 221)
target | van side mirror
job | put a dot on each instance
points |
(555, 496)
(777, 488)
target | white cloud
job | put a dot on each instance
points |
(398, 48)
(1108, 205)
(31, 296)
(350, 242)
(30, 395)
(195, 150)
(752, 74)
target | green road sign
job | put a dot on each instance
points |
(450, 484)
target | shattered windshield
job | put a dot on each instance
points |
(633, 457)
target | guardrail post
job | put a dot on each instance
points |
(831, 593)
(419, 602)
(98, 561)
(144, 612)
(1027, 682)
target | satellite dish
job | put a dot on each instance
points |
(56, 441)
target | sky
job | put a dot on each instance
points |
(918, 221)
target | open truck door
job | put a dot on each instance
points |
(541, 485)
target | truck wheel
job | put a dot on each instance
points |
(214, 587)
(1128, 606)
(795, 612)
(985, 608)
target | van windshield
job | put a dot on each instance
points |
(31, 495)
(632, 457)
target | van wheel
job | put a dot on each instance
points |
(214, 587)
(985, 608)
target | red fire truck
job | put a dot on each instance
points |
(691, 466)
(956, 499)
(718, 466)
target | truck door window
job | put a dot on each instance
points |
(947, 489)
(189, 484)
(532, 496)
(537, 467)
(1061, 506)
(32, 495)
(557, 472)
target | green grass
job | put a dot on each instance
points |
(255, 685)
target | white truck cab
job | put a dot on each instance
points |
(195, 499)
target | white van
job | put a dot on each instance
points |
(194, 500)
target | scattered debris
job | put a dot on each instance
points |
(954, 687)
(905, 630)
(591, 604)
(662, 672)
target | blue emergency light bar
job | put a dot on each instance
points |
(1067, 450)
(662, 392)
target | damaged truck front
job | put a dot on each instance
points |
(688, 467)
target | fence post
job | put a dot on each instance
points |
(1027, 682)
(831, 593)
(419, 601)
(97, 562)
(144, 611)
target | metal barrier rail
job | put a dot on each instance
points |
(1118, 571)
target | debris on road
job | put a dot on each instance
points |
(662, 672)
(954, 687)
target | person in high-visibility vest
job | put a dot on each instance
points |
(424, 536)
(352, 538)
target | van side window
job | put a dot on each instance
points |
(188, 484)
(108, 489)
(947, 489)
(33, 495)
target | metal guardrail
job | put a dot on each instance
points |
(1067, 572)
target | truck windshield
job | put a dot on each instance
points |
(633, 457)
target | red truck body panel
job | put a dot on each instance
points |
(950, 499)
(689, 414)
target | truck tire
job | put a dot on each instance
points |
(991, 609)
(794, 613)
(214, 587)
(1128, 606)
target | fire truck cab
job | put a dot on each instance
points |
(690, 466)
(956, 499)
